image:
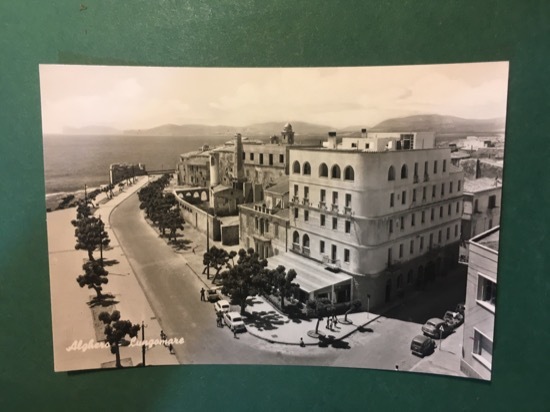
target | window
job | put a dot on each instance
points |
(261, 158)
(266, 226)
(425, 169)
(323, 170)
(257, 224)
(322, 246)
(323, 220)
(305, 241)
(486, 291)
(244, 156)
(323, 195)
(251, 156)
(456, 230)
(492, 201)
(276, 229)
(307, 168)
(348, 200)
(346, 255)
(475, 206)
(295, 213)
(389, 256)
(413, 219)
(459, 182)
(349, 174)
(391, 173)
(483, 348)
(414, 195)
(295, 190)
(439, 237)
(306, 192)
(401, 250)
(449, 210)
(432, 214)
(296, 238)
(416, 170)
(281, 158)
(450, 187)
(404, 172)
(403, 197)
(335, 198)
(444, 166)
(457, 207)
(296, 167)
(391, 199)
(421, 242)
(448, 233)
(411, 248)
(424, 193)
(431, 240)
(334, 223)
(271, 159)
(402, 222)
(306, 215)
(433, 192)
(335, 172)
(423, 217)
(435, 166)
(391, 225)
(440, 212)
(442, 189)
(348, 226)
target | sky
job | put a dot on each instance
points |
(143, 97)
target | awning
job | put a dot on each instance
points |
(312, 275)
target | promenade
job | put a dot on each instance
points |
(72, 318)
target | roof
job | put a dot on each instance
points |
(481, 184)
(311, 275)
(489, 239)
(281, 187)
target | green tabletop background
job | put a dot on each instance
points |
(258, 34)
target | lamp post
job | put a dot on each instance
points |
(142, 343)
(100, 241)
(368, 305)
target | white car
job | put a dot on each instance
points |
(221, 306)
(234, 321)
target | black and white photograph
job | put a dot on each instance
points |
(332, 217)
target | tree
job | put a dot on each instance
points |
(318, 306)
(218, 259)
(354, 306)
(94, 277)
(83, 211)
(247, 278)
(90, 234)
(174, 221)
(283, 282)
(116, 330)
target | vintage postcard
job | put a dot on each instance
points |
(344, 216)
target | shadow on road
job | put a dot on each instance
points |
(105, 301)
(181, 244)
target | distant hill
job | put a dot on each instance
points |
(92, 130)
(441, 125)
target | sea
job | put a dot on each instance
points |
(70, 162)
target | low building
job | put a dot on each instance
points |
(481, 210)
(481, 293)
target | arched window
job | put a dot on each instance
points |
(335, 173)
(305, 241)
(307, 168)
(404, 172)
(296, 238)
(391, 173)
(323, 170)
(296, 167)
(349, 174)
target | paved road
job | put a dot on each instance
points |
(173, 292)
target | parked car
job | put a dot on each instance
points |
(436, 328)
(234, 321)
(422, 345)
(453, 319)
(213, 295)
(221, 306)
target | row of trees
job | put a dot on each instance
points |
(161, 208)
(91, 235)
(249, 275)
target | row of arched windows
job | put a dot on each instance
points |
(296, 239)
(404, 172)
(335, 172)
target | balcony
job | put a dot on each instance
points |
(296, 248)
(334, 208)
(333, 264)
(347, 210)
(322, 205)
(305, 201)
(306, 251)
(295, 199)
(415, 179)
(426, 177)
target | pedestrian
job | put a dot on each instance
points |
(202, 295)
(235, 334)
(163, 337)
(302, 344)
(171, 349)
(328, 323)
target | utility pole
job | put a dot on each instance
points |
(208, 243)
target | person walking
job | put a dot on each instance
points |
(202, 295)
(302, 344)
(235, 334)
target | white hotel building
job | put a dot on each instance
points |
(371, 217)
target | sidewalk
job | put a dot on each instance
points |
(72, 318)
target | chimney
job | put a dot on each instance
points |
(331, 140)
(364, 133)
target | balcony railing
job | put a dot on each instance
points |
(305, 201)
(296, 248)
(347, 210)
(295, 199)
(334, 208)
(331, 263)
(306, 251)
(322, 205)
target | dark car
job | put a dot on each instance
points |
(437, 328)
(422, 345)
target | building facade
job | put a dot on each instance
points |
(388, 218)
(481, 292)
